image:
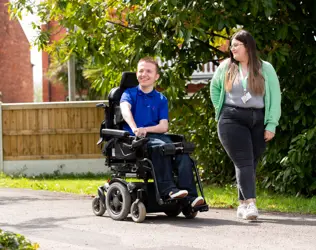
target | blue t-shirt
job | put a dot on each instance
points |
(147, 108)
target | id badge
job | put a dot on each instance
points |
(245, 98)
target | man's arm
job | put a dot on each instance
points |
(127, 115)
(162, 127)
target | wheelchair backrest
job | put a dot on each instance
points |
(114, 117)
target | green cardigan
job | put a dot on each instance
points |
(272, 96)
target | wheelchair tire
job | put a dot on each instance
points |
(98, 207)
(188, 213)
(138, 212)
(118, 201)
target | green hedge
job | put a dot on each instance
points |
(13, 241)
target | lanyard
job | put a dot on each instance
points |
(242, 79)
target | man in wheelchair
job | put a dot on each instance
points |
(145, 112)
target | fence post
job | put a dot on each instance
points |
(1, 142)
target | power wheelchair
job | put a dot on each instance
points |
(127, 157)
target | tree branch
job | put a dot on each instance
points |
(214, 34)
(209, 46)
(127, 27)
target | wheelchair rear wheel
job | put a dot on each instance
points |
(98, 207)
(138, 212)
(118, 201)
(189, 213)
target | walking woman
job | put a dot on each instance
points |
(246, 95)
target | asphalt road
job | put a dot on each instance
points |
(65, 221)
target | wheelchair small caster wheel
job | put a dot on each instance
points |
(98, 207)
(189, 213)
(118, 201)
(138, 212)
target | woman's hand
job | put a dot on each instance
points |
(268, 135)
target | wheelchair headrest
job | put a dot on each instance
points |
(129, 80)
(115, 94)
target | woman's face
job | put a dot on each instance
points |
(239, 50)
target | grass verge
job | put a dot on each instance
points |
(216, 197)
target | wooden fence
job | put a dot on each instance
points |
(50, 131)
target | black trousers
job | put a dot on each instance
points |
(163, 166)
(241, 132)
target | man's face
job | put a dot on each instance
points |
(147, 74)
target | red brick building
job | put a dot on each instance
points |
(52, 92)
(16, 77)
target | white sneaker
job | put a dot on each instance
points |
(241, 210)
(197, 201)
(177, 193)
(251, 212)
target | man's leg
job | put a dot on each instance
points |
(186, 180)
(163, 168)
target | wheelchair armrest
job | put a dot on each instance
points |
(115, 132)
(176, 137)
(101, 105)
(177, 148)
(168, 149)
(188, 147)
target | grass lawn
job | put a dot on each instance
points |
(217, 197)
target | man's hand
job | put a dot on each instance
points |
(268, 135)
(141, 132)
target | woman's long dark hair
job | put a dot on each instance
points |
(255, 78)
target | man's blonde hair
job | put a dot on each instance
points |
(150, 59)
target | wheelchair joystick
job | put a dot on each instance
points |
(139, 141)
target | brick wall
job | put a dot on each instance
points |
(52, 92)
(16, 78)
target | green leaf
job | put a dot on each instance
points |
(297, 105)
(255, 8)
(310, 134)
(282, 34)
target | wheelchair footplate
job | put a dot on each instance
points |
(202, 208)
(170, 200)
(185, 202)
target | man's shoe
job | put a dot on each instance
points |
(241, 211)
(197, 201)
(251, 212)
(178, 193)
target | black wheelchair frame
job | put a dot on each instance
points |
(127, 157)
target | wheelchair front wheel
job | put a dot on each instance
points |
(98, 207)
(138, 212)
(118, 201)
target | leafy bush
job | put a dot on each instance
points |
(12, 241)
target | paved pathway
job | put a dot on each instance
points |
(64, 221)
